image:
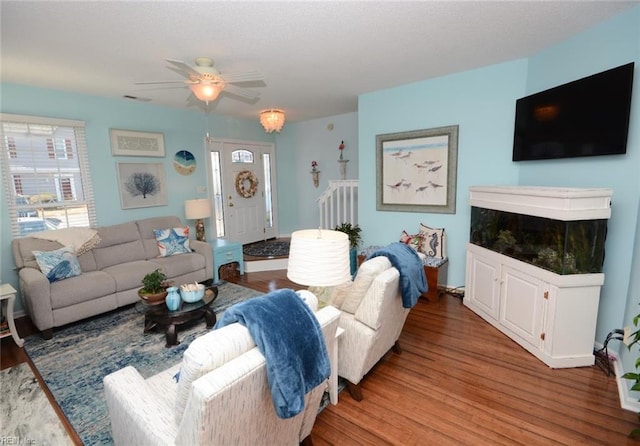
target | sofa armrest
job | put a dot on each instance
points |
(206, 250)
(35, 291)
(138, 415)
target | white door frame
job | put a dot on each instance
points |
(230, 197)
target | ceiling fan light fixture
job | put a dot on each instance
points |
(206, 92)
(272, 120)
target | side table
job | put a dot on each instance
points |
(8, 293)
(333, 378)
(226, 251)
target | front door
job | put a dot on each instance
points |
(247, 199)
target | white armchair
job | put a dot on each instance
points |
(372, 317)
(221, 398)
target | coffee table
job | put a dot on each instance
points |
(159, 315)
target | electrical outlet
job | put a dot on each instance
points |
(627, 336)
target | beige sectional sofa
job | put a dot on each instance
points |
(111, 272)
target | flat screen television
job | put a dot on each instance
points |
(587, 117)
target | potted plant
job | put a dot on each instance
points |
(634, 376)
(355, 237)
(154, 287)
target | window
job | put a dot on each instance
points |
(45, 169)
(242, 156)
(216, 187)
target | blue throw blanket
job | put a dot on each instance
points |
(413, 281)
(289, 336)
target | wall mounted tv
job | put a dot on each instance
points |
(587, 117)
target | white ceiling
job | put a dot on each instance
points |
(317, 57)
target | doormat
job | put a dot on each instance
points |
(269, 248)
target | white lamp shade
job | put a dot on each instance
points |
(198, 208)
(319, 257)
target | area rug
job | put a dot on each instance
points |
(268, 248)
(74, 362)
(27, 416)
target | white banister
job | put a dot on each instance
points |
(338, 204)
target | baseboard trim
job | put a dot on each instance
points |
(627, 401)
(255, 266)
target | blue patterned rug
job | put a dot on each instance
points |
(74, 362)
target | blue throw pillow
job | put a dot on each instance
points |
(59, 264)
(172, 241)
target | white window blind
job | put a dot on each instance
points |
(45, 170)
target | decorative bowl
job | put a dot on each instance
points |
(192, 292)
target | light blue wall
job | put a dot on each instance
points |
(183, 130)
(482, 103)
(300, 144)
(610, 44)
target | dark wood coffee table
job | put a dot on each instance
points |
(159, 315)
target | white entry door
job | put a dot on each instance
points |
(247, 196)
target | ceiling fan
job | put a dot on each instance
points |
(206, 82)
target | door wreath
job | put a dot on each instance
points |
(246, 184)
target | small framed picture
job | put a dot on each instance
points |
(134, 143)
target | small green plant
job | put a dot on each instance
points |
(154, 282)
(353, 231)
(635, 377)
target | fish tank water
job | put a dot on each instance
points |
(563, 247)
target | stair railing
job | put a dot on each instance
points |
(338, 204)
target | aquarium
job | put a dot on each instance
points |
(563, 247)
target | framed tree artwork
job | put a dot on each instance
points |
(416, 171)
(142, 185)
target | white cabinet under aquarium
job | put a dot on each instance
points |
(534, 266)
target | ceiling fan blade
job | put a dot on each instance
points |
(242, 92)
(184, 67)
(246, 76)
(162, 82)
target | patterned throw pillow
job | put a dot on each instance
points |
(59, 264)
(172, 241)
(414, 240)
(433, 244)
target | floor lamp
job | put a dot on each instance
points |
(198, 209)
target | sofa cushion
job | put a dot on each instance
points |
(148, 225)
(83, 288)
(59, 264)
(129, 275)
(179, 265)
(24, 247)
(172, 241)
(413, 240)
(433, 244)
(118, 244)
(365, 276)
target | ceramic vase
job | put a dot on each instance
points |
(173, 298)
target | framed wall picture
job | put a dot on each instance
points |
(134, 143)
(416, 171)
(142, 185)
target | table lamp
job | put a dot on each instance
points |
(319, 257)
(198, 209)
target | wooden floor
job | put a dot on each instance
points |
(458, 381)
